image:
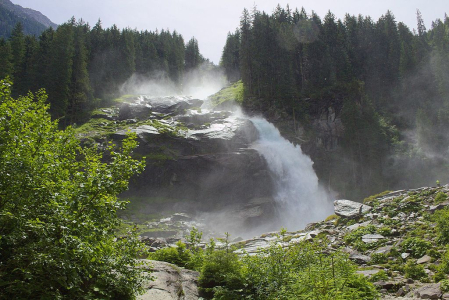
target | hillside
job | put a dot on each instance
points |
(395, 240)
(34, 22)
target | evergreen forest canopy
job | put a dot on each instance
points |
(80, 66)
(388, 84)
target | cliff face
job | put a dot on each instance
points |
(197, 160)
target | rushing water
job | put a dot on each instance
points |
(298, 194)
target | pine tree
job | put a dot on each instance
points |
(17, 41)
(230, 58)
(192, 54)
(43, 60)
(6, 66)
(60, 71)
(80, 96)
(245, 51)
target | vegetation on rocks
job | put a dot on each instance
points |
(394, 248)
(231, 94)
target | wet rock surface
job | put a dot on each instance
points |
(197, 160)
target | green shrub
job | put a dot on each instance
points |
(304, 271)
(441, 218)
(439, 276)
(414, 271)
(444, 285)
(440, 197)
(381, 275)
(58, 211)
(221, 273)
(379, 258)
(416, 247)
(354, 238)
(444, 265)
(357, 234)
(384, 230)
(178, 255)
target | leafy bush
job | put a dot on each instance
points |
(416, 247)
(379, 258)
(441, 218)
(354, 238)
(444, 285)
(304, 271)
(357, 234)
(440, 197)
(384, 230)
(58, 209)
(444, 265)
(178, 255)
(381, 275)
(221, 274)
(414, 271)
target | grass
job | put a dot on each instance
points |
(234, 92)
(123, 99)
(96, 128)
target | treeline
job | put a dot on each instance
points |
(380, 77)
(79, 65)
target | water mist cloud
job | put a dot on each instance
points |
(198, 83)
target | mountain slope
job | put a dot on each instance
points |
(33, 21)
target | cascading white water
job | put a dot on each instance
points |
(300, 198)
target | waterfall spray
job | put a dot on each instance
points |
(298, 195)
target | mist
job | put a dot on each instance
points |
(198, 83)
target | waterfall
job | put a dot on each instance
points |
(299, 197)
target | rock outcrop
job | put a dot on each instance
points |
(350, 209)
(170, 283)
(197, 160)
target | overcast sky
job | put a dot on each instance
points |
(210, 20)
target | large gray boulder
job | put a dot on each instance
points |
(429, 291)
(170, 282)
(350, 209)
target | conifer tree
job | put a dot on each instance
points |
(6, 66)
(60, 71)
(80, 96)
(230, 58)
(192, 54)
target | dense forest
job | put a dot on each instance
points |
(80, 66)
(388, 85)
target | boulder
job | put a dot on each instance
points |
(429, 291)
(350, 209)
(170, 282)
(368, 273)
(372, 238)
(134, 111)
(424, 259)
(359, 258)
